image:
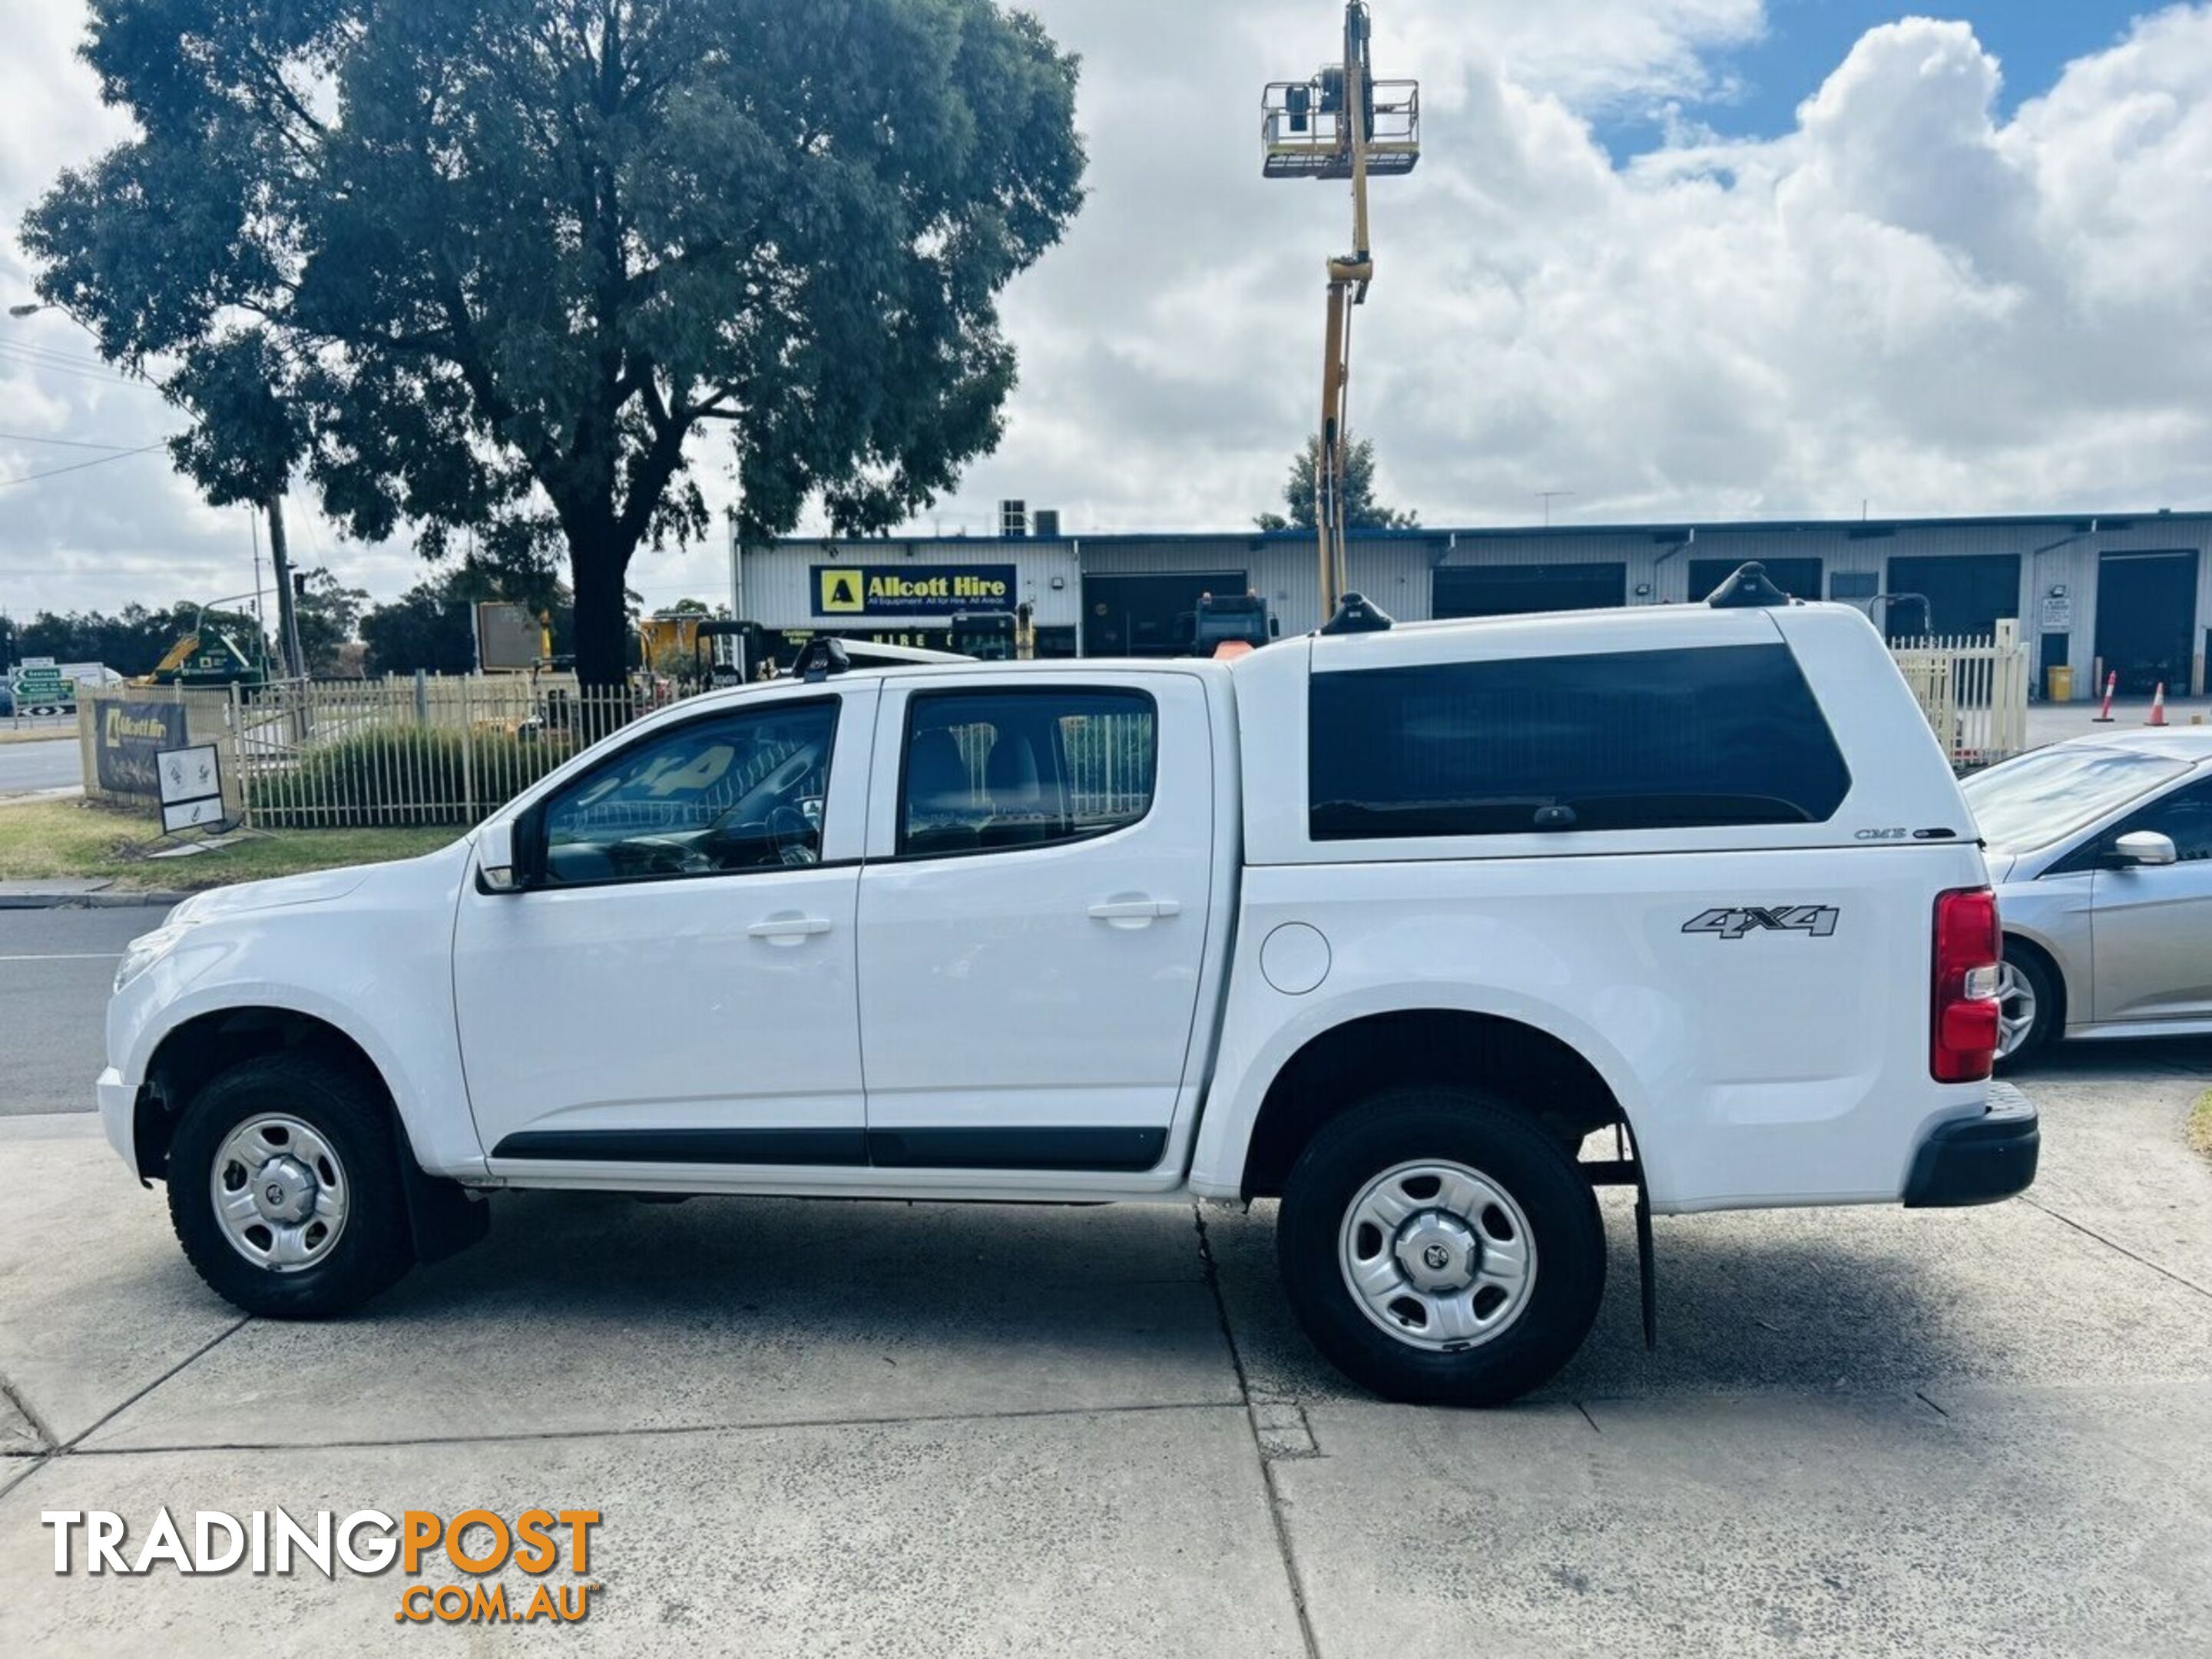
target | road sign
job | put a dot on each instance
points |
(39, 682)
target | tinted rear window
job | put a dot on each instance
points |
(1634, 740)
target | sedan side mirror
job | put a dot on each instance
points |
(2143, 850)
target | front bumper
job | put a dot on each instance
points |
(118, 1114)
(1978, 1160)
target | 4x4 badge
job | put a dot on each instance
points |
(1817, 919)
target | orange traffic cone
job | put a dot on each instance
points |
(2157, 705)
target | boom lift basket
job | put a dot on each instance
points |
(1304, 135)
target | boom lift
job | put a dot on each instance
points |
(1343, 123)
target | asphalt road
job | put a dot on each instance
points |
(55, 970)
(27, 767)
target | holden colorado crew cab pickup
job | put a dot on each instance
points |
(1386, 922)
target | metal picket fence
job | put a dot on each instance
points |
(429, 750)
(1973, 691)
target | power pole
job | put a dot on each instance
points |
(287, 615)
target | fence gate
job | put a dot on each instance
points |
(1973, 691)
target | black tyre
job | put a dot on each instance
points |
(284, 1188)
(2027, 1005)
(1476, 1239)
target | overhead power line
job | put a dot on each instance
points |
(79, 466)
(64, 443)
(30, 356)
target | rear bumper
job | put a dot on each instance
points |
(1978, 1160)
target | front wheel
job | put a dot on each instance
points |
(284, 1188)
(1440, 1248)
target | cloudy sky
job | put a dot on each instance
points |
(1678, 258)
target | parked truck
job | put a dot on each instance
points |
(1427, 931)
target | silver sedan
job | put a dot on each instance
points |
(2101, 850)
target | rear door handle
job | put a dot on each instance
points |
(788, 930)
(1134, 909)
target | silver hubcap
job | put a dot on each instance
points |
(1438, 1254)
(280, 1192)
(2015, 1009)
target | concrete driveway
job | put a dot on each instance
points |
(924, 1430)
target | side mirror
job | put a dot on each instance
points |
(495, 857)
(2143, 850)
(511, 853)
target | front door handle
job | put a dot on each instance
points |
(1134, 912)
(788, 930)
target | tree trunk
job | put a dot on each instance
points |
(288, 617)
(602, 627)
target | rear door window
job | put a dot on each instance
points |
(1715, 737)
(991, 771)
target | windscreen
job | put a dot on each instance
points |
(2045, 797)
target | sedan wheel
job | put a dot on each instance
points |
(2025, 1008)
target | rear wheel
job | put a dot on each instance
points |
(1440, 1249)
(284, 1188)
(2027, 1005)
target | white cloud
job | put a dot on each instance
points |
(1906, 299)
(1902, 300)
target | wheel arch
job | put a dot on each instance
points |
(193, 1052)
(442, 1216)
(1548, 1077)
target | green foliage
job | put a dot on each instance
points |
(428, 628)
(1361, 510)
(504, 258)
(431, 627)
(131, 642)
(349, 783)
(329, 613)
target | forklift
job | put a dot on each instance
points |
(996, 635)
(1232, 625)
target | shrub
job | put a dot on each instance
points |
(383, 775)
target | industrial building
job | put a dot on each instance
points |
(2128, 592)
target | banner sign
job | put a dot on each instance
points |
(912, 590)
(128, 746)
(192, 788)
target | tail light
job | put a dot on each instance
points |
(1969, 945)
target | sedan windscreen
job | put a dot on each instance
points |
(2045, 797)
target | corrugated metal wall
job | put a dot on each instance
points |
(1397, 570)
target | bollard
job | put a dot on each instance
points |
(2112, 690)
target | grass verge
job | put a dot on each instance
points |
(2200, 1125)
(61, 838)
(37, 733)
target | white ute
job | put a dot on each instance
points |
(1386, 922)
